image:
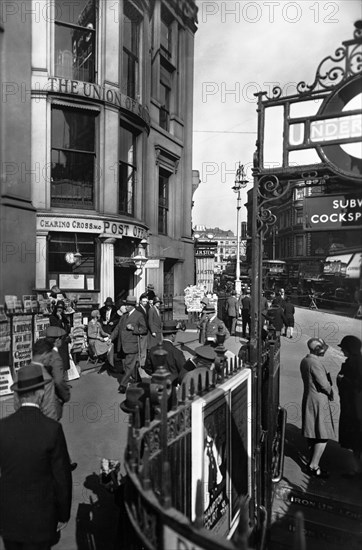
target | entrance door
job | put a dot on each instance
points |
(122, 283)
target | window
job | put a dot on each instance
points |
(166, 33)
(299, 193)
(127, 171)
(299, 216)
(130, 62)
(72, 158)
(61, 243)
(299, 245)
(75, 39)
(163, 184)
(165, 98)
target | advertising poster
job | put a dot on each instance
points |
(215, 458)
(5, 343)
(6, 381)
(22, 340)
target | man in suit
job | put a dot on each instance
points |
(35, 481)
(212, 326)
(174, 361)
(127, 332)
(54, 364)
(144, 307)
(108, 316)
(154, 323)
(246, 312)
(232, 310)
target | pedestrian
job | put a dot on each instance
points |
(54, 365)
(150, 292)
(174, 361)
(204, 357)
(276, 317)
(154, 323)
(317, 421)
(245, 304)
(59, 319)
(108, 316)
(99, 341)
(35, 481)
(144, 307)
(130, 327)
(212, 326)
(232, 311)
(349, 383)
(289, 311)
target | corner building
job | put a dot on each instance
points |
(111, 142)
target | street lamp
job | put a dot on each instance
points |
(240, 183)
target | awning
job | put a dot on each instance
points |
(353, 270)
(342, 258)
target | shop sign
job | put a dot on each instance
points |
(332, 212)
(96, 92)
(152, 264)
(90, 225)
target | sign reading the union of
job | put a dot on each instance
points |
(100, 93)
(333, 212)
(90, 225)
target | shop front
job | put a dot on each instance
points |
(81, 255)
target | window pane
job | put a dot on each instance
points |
(72, 179)
(130, 34)
(61, 243)
(129, 75)
(72, 129)
(75, 12)
(126, 189)
(74, 53)
(127, 144)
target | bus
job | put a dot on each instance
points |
(274, 274)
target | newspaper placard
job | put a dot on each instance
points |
(5, 343)
(6, 381)
(41, 323)
(193, 296)
(22, 336)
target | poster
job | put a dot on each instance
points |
(6, 381)
(22, 340)
(40, 325)
(5, 343)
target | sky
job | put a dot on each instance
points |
(243, 47)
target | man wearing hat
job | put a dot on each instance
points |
(174, 360)
(150, 292)
(35, 481)
(108, 316)
(212, 326)
(59, 319)
(154, 323)
(54, 364)
(204, 357)
(245, 305)
(127, 333)
(232, 310)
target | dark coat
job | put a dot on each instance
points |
(349, 383)
(275, 315)
(174, 362)
(155, 327)
(35, 481)
(127, 339)
(113, 320)
(289, 312)
(63, 323)
(317, 421)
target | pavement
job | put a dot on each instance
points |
(95, 427)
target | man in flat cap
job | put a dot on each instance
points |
(174, 360)
(109, 317)
(35, 481)
(131, 326)
(212, 326)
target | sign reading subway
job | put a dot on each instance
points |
(333, 212)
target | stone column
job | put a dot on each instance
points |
(41, 261)
(107, 269)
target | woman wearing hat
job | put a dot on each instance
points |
(349, 383)
(59, 319)
(108, 316)
(98, 340)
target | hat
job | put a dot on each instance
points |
(150, 286)
(30, 378)
(317, 344)
(204, 300)
(169, 327)
(54, 332)
(60, 303)
(95, 313)
(156, 299)
(131, 300)
(134, 394)
(109, 301)
(205, 352)
(351, 343)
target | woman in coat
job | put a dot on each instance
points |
(98, 340)
(317, 421)
(349, 383)
(59, 319)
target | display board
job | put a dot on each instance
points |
(22, 340)
(41, 323)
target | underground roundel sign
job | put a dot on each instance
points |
(336, 131)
